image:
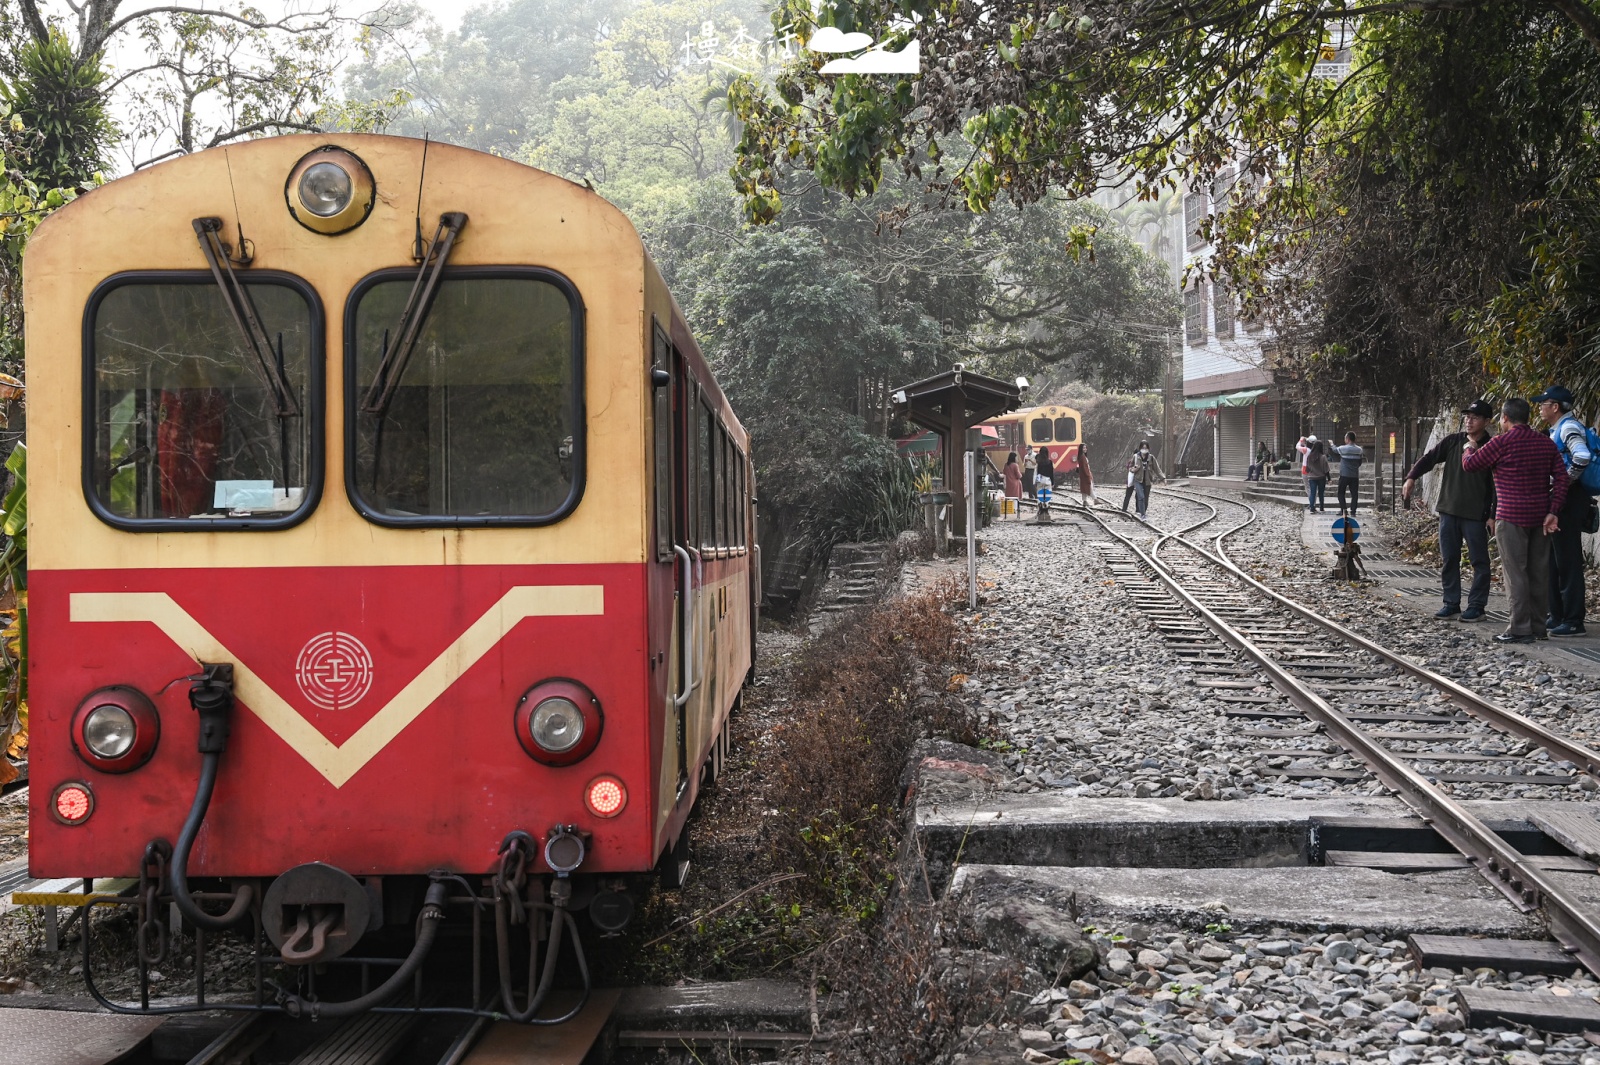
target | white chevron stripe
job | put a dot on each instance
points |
(338, 763)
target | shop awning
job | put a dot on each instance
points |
(1229, 399)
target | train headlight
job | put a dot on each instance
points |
(108, 731)
(556, 725)
(330, 191)
(325, 189)
(558, 722)
(116, 729)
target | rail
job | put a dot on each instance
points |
(1507, 869)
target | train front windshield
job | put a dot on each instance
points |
(485, 419)
(186, 425)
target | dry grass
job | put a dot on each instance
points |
(801, 835)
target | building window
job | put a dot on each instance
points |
(1194, 314)
(1222, 302)
(1195, 206)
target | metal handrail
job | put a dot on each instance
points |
(687, 678)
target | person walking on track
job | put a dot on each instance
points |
(1573, 439)
(1085, 478)
(1466, 510)
(1013, 483)
(1350, 456)
(1316, 472)
(1146, 471)
(1530, 486)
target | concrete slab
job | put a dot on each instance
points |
(1307, 898)
(1044, 829)
(739, 1004)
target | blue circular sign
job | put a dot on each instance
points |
(1346, 530)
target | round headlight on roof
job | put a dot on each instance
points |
(325, 189)
(330, 190)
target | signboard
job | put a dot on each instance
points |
(1346, 530)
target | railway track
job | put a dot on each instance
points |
(1327, 702)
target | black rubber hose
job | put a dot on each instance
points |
(432, 914)
(178, 871)
(560, 919)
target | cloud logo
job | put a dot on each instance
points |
(831, 39)
(906, 61)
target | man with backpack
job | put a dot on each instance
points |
(1580, 451)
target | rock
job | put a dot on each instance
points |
(1152, 959)
(1119, 961)
(1173, 1054)
(1277, 948)
(1405, 1009)
(1213, 952)
(1510, 1040)
(1070, 1013)
(1083, 989)
(1045, 937)
(1344, 950)
(1037, 1038)
(1139, 1056)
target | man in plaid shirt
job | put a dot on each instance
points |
(1530, 485)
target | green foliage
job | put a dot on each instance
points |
(60, 100)
(1418, 217)
(14, 619)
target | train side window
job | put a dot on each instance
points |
(707, 442)
(183, 429)
(1066, 430)
(740, 503)
(1039, 428)
(485, 424)
(691, 487)
(661, 416)
(725, 512)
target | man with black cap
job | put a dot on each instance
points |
(1571, 437)
(1466, 511)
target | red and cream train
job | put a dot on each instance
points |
(390, 540)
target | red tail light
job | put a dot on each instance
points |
(72, 803)
(605, 796)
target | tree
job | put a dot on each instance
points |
(210, 75)
(1016, 99)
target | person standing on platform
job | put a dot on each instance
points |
(1029, 462)
(1466, 511)
(1316, 471)
(1012, 475)
(1350, 456)
(1571, 437)
(1530, 486)
(1044, 479)
(1146, 471)
(1085, 478)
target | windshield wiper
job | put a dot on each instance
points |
(209, 230)
(392, 364)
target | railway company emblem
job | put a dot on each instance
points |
(334, 670)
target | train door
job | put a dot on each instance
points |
(674, 544)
